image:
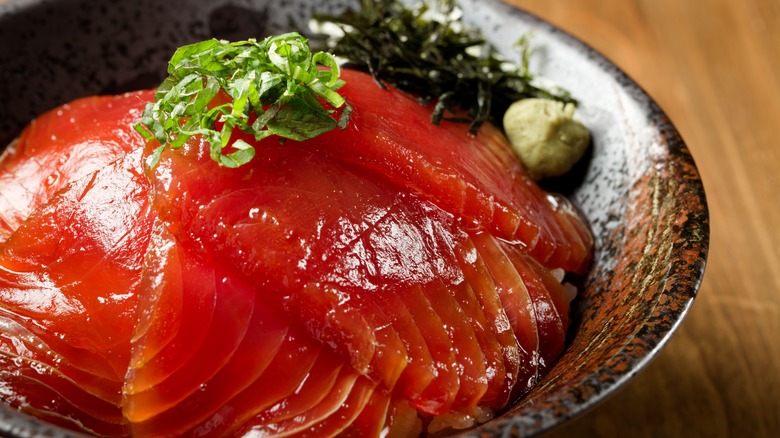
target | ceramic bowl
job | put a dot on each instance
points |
(639, 186)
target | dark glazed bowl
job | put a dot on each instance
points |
(639, 188)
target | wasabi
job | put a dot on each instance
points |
(545, 136)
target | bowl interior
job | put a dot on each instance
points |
(639, 186)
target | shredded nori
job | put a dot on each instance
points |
(427, 50)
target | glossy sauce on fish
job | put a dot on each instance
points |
(394, 277)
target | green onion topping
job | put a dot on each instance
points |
(276, 87)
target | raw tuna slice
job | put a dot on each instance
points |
(404, 297)
(390, 278)
(69, 277)
(63, 145)
(476, 178)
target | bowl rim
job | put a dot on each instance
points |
(529, 421)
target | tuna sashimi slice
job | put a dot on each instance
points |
(68, 284)
(322, 204)
(297, 358)
(64, 145)
(373, 419)
(476, 178)
(211, 323)
(480, 281)
(375, 280)
(348, 253)
(346, 414)
(550, 306)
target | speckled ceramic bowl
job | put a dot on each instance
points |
(639, 186)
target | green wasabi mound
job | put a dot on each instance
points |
(545, 136)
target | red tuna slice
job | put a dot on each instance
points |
(346, 398)
(421, 369)
(319, 306)
(329, 400)
(480, 281)
(39, 382)
(348, 411)
(476, 178)
(539, 310)
(440, 394)
(63, 145)
(474, 348)
(330, 244)
(68, 288)
(296, 218)
(551, 307)
(517, 304)
(328, 380)
(294, 376)
(373, 419)
(209, 323)
(223, 339)
(499, 372)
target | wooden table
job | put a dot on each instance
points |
(714, 66)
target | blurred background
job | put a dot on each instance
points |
(714, 67)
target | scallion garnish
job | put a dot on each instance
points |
(276, 87)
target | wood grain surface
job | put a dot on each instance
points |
(714, 66)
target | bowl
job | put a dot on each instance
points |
(639, 186)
